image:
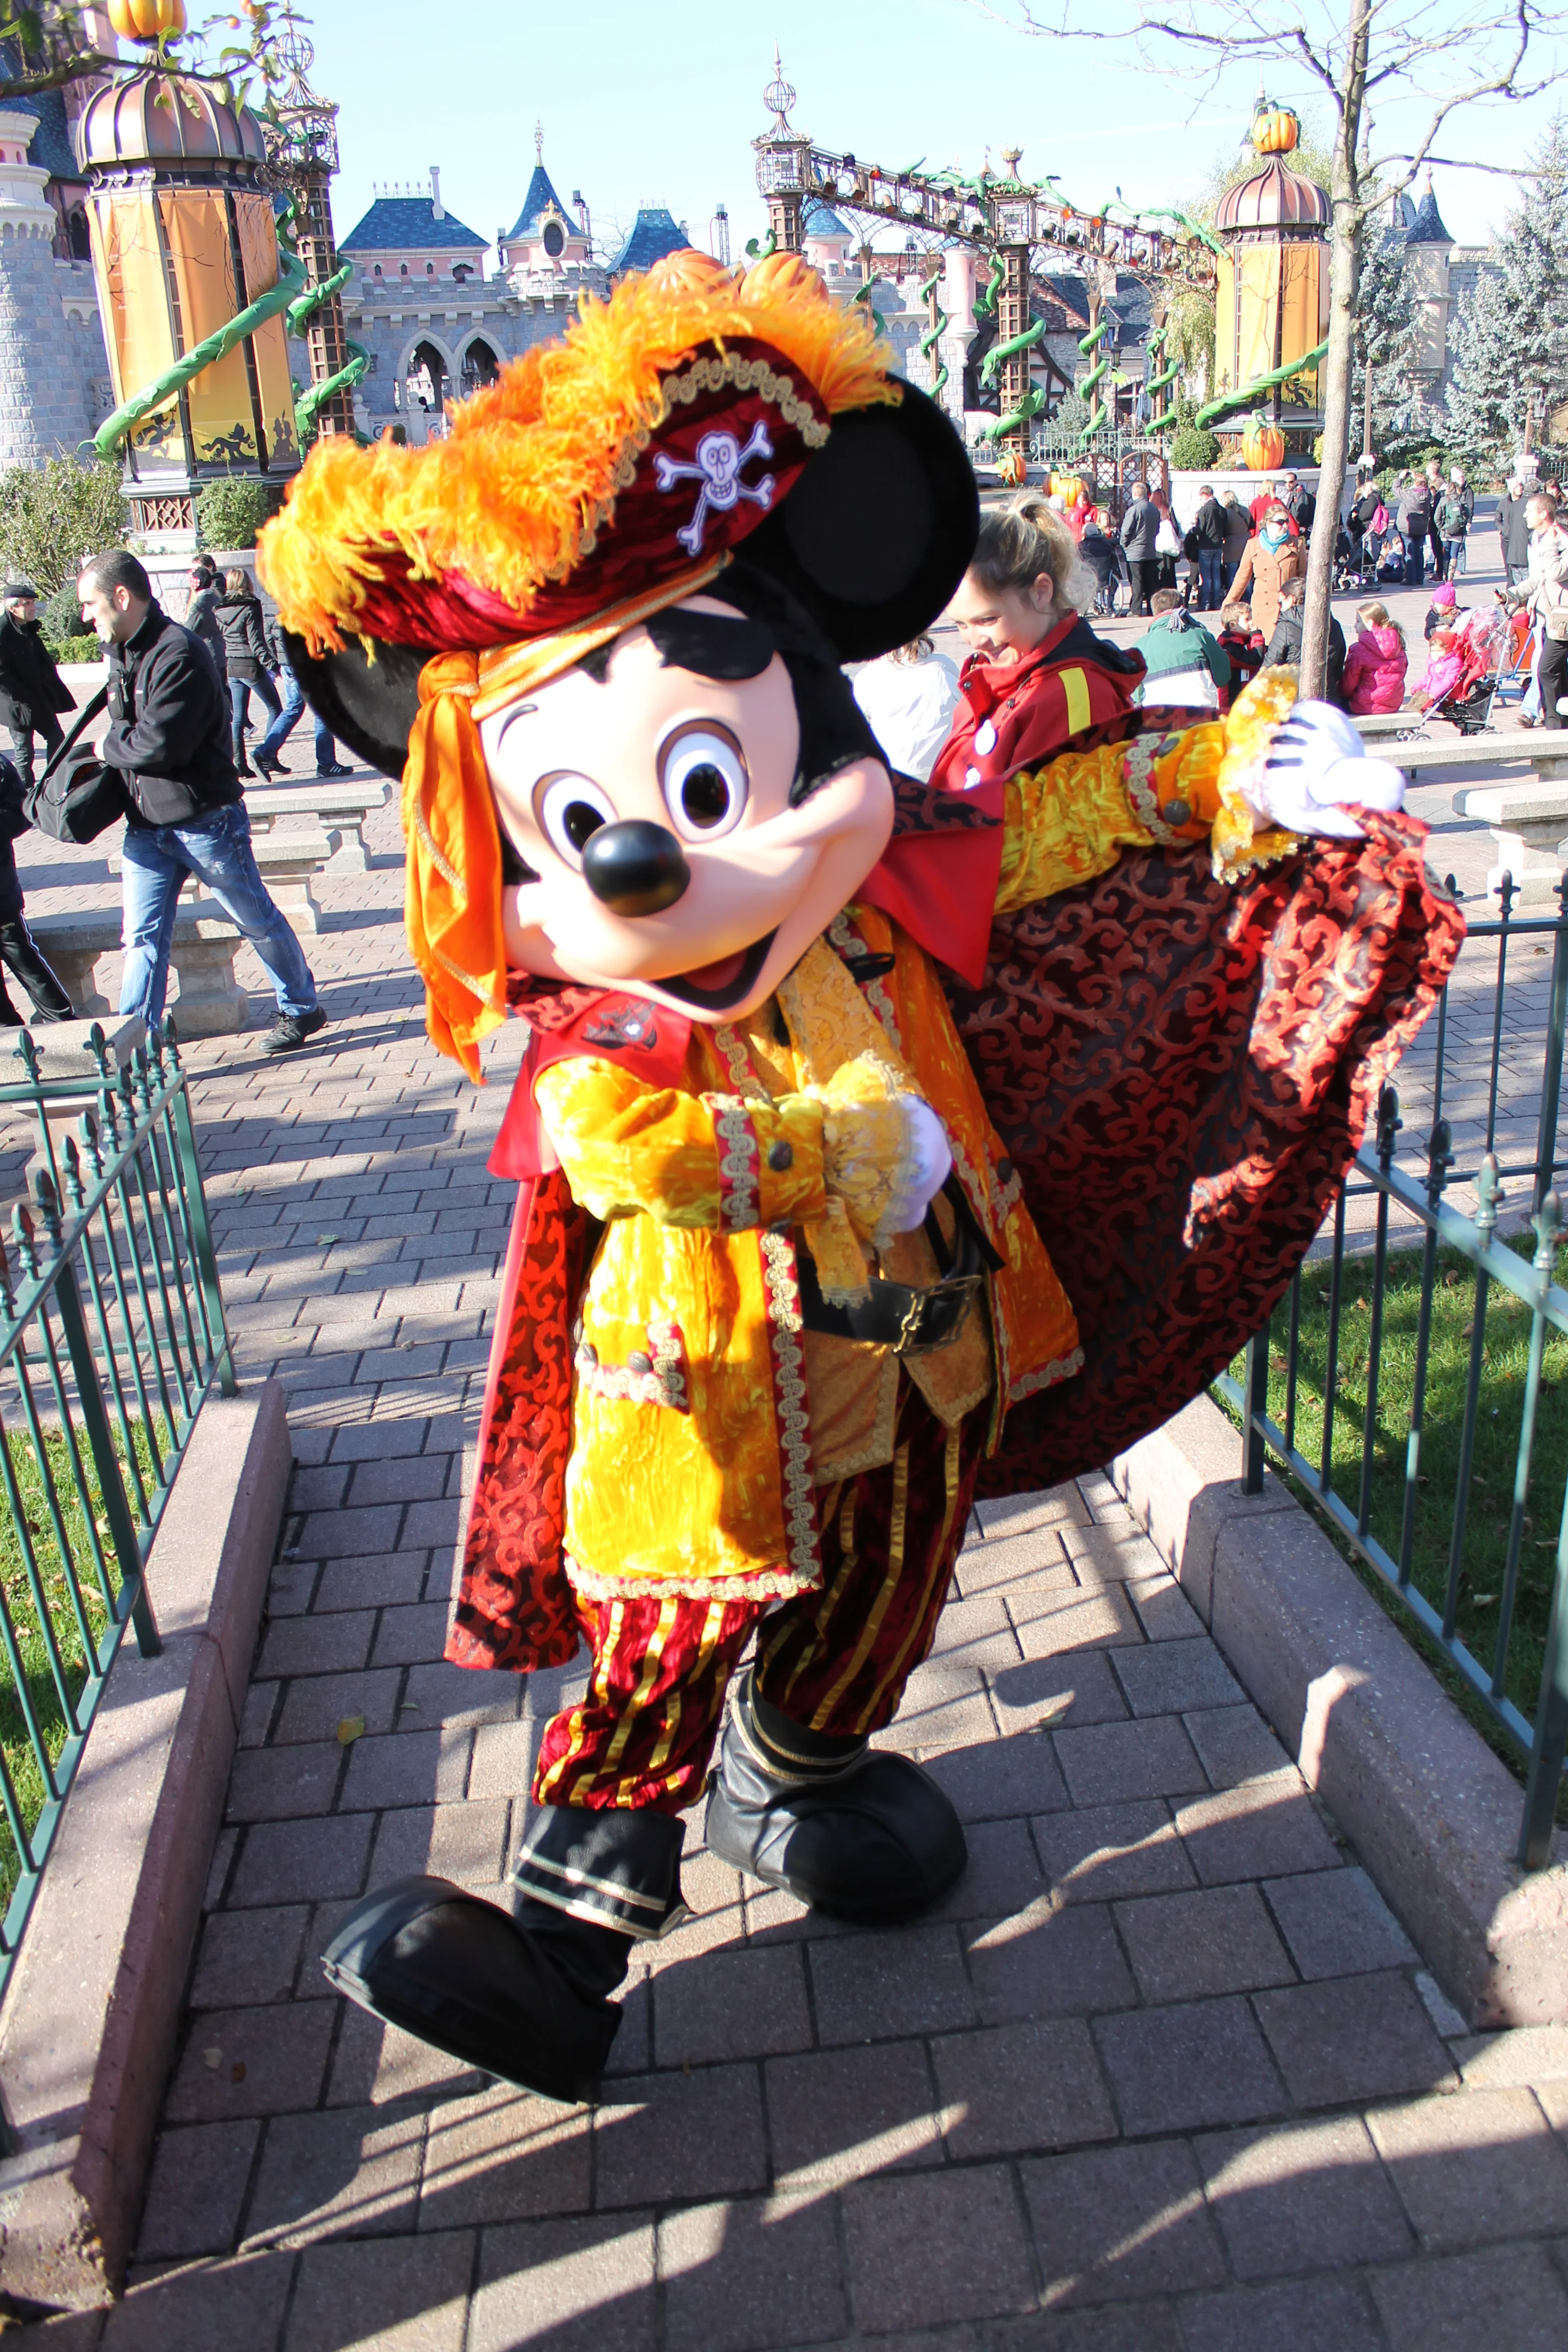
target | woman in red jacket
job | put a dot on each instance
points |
(1037, 673)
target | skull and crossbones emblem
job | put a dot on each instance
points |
(719, 459)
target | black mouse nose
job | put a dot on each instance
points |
(634, 867)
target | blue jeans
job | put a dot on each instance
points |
(240, 690)
(216, 850)
(1210, 565)
(288, 719)
(1415, 561)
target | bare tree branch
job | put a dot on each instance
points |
(1493, 52)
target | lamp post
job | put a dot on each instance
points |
(783, 165)
(302, 149)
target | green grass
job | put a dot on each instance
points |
(1500, 1407)
(27, 1776)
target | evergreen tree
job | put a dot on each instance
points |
(1384, 334)
(1509, 336)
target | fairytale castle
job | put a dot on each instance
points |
(437, 315)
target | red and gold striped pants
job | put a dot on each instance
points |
(836, 1659)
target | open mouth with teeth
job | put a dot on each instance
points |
(715, 987)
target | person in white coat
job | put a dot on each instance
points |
(908, 696)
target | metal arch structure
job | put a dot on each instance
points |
(1008, 220)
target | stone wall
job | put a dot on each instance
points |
(54, 370)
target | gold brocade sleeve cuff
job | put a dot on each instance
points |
(705, 1161)
(1072, 819)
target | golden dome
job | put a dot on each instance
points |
(1273, 198)
(163, 117)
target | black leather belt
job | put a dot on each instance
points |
(895, 1314)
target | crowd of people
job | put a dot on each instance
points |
(1037, 673)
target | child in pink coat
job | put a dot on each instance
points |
(1375, 665)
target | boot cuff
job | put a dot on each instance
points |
(618, 1869)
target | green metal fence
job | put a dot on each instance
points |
(112, 1334)
(1424, 1444)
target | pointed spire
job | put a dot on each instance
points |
(539, 142)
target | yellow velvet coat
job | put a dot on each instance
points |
(704, 1416)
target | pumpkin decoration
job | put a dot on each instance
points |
(147, 20)
(1262, 445)
(1276, 130)
(1067, 488)
(1012, 469)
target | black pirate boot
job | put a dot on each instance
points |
(521, 1994)
(857, 1831)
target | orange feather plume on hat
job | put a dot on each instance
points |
(463, 546)
(528, 476)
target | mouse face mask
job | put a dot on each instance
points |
(599, 631)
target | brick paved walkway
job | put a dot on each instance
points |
(1164, 2072)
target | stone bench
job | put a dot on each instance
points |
(209, 1002)
(288, 863)
(1528, 821)
(341, 811)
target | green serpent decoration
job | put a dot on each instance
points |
(1246, 394)
(1157, 382)
(937, 329)
(1000, 351)
(764, 251)
(292, 294)
(985, 303)
(1101, 368)
(1030, 405)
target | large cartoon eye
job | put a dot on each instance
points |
(704, 778)
(569, 810)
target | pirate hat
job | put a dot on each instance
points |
(602, 478)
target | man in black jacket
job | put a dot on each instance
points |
(1140, 531)
(167, 742)
(1513, 533)
(32, 692)
(1208, 527)
(201, 613)
(1300, 504)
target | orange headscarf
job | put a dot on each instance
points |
(452, 906)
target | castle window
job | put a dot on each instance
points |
(429, 270)
(461, 272)
(405, 270)
(555, 240)
(76, 229)
(378, 270)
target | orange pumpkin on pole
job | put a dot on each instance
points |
(147, 20)
(1262, 445)
(1276, 130)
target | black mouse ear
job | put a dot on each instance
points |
(369, 705)
(877, 531)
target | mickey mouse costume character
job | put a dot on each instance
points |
(822, 1077)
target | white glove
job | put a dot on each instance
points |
(1317, 762)
(928, 1163)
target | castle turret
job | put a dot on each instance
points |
(40, 394)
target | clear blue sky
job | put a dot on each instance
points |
(644, 104)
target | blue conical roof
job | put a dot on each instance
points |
(1427, 227)
(818, 219)
(541, 199)
(653, 234)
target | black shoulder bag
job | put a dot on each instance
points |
(77, 797)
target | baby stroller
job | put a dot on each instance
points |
(1466, 668)
(1519, 667)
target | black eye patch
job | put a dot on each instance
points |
(514, 868)
(712, 645)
